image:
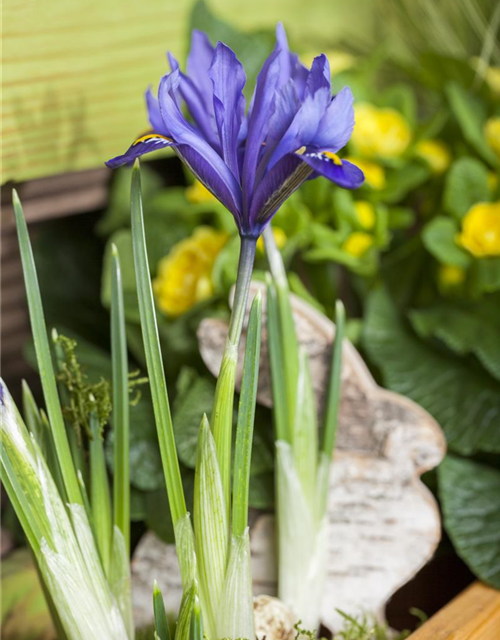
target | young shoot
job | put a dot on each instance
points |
(303, 458)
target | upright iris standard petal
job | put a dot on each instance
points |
(252, 163)
(336, 125)
(228, 77)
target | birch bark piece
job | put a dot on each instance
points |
(384, 523)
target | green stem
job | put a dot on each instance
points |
(222, 414)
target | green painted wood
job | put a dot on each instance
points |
(74, 71)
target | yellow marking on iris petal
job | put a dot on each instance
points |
(334, 157)
(151, 136)
(301, 151)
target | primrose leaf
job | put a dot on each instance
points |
(463, 399)
(466, 184)
(195, 397)
(485, 275)
(472, 329)
(469, 496)
(471, 115)
(439, 239)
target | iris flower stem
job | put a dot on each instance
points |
(222, 414)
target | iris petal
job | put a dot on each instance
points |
(146, 144)
(346, 174)
(184, 133)
(337, 124)
(261, 111)
(196, 103)
(207, 175)
(228, 77)
(276, 186)
(198, 63)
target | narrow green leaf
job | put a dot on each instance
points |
(276, 362)
(235, 618)
(161, 622)
(246, 416)
(305, 430)
(32, 417)
(330, 424)
(210, 524)
(153, 356)
(183, 628)
(99, 494)
(287, 333)
(121, 426)
(196, 620)
(120, 581)
(44, 358)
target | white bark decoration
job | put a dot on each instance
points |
(384, 523)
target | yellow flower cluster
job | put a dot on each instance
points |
(197, 193)
(435, 153)
(184, 275)
(380, 133)
(358, 243)
(481, 230)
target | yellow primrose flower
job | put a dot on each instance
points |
(279, 237)
(435, 153)
(450, 276)
(197, 193)
(492, 134)
(184, 275)
(382, 133)
(365, 213)
(374, 173)
(481, 230)
(358, 243)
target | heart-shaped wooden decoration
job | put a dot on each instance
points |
(384, 523)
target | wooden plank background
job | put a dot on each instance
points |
(74, 71)
(472, 615)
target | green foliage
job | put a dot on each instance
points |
(435, 379)
(466, 184)
(439, 238)
(469, 494)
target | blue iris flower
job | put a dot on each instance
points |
(251, 161)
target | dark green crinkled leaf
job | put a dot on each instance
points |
(146, 471)
(470, 498)
(194, 398)
(466, 184)
(439, 239)
(473, 329)
(261, 495)
(463, 399)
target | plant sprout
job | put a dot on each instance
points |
(81, 550)
(303, 460)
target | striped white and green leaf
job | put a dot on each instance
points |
(82, 556)
(303, 460)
